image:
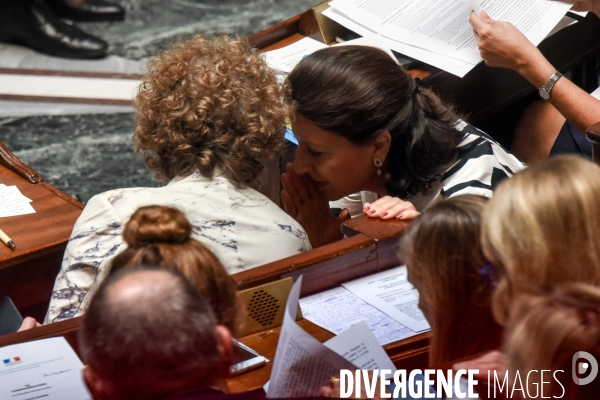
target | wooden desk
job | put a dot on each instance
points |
(372, 247)
(27, 274)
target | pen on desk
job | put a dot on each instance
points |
(6, 240)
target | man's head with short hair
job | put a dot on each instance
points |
(148, 333)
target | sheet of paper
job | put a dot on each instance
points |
(12, 202)
(475, 5)
(390, 292)
(302, 364)
(337, 310)
(13, 191)
(535, 18)
(371, 40)
(451, 65)
(286, 58)
(47, 369)
(442, 26)
(359, 346)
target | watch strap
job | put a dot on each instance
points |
(549, 85)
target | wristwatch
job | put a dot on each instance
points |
(547, 88)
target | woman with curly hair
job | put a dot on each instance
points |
(209, 115)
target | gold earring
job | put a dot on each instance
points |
(378, 162)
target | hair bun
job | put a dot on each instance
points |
(156, 224)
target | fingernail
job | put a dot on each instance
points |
(384, 214)
(366, 209)
(400, 216)
(371, 212)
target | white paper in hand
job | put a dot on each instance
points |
(476, 6)
(302, 364)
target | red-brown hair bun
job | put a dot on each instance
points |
(156, 224)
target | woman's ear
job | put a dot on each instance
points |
(382, 144)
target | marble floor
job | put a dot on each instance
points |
(86, 149)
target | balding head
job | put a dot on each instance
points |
(149, 332)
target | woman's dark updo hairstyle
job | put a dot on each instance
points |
(160, 236)
(359, 92)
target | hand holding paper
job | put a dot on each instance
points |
(500, 43)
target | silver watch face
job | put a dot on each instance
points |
(544, 94)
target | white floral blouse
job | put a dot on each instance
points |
(243, 228)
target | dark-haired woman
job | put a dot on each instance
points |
(364, 124)
(209, 116)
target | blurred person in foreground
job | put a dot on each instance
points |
(149, 334)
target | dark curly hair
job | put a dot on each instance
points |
(359, 92)
(205, 103)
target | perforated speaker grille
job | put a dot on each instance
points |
(263, 308)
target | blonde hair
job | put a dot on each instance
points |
(542, 228)
(160, 236)
(544, 332)
(443, 256)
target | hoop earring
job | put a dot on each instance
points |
(378, 162)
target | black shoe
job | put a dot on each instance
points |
(32, 23)
(89, 10)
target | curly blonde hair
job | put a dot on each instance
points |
(205, 103)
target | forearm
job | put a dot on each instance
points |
(577, 106)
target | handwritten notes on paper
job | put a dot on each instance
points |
(12, 202)
(385, 301)
(337, 310)
(391, 292)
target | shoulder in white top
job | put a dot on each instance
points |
(243, 228)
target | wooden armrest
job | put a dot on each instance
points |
(375, 228)
(13, 163)
(593, 135)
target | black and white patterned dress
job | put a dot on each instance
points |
(482, 164)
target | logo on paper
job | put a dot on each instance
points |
(11, 361)
(582, 368)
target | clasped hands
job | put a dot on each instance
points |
(304, 202)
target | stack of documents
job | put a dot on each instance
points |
(386, 301)
(438, 32)
(12, 202)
